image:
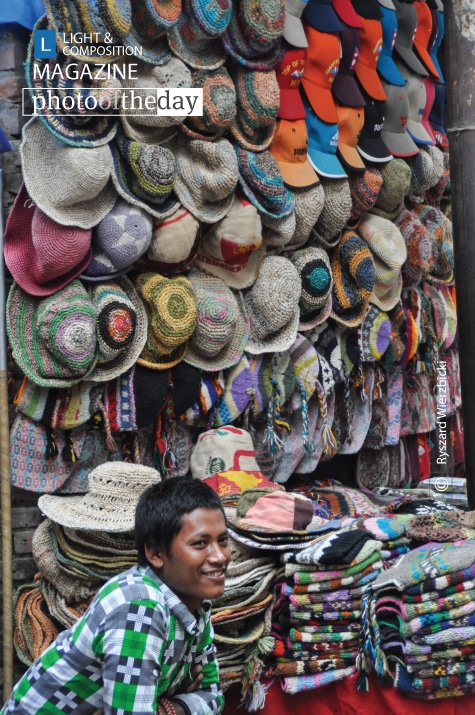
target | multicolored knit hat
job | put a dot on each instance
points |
(389, 253)
(219, 104)
(207, 174)
(218, 450)
(254, 34)
(42, 255)
(257, 100)
(396, 182)
(315, 302)
(261, 181)
(172, 315)
(305, 360)
(190, 43)
(222, 329)
(326, 339)
(179, 386)
(273, 306)
(451, 312)
(69, 184)
(308, 207)
(353, 279)
(118, 241)
(54, 338)
(233, 248)
(374, 334)
(372, 468)
(201, 412)
(151, 20)
(418, 245)
(121, 326)
(394, 355)
(440, 231)
(47, 85)
(212, 17)
(236, 394)
(144, 175)
(364, 189)
(359, 408)
(336, 212)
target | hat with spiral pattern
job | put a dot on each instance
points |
(257, 99)
(314, 268)
(353, 279)
(219, 104)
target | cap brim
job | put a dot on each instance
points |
(298, 175)
(426, 60)
(437, 65)
(350, 158)
(373, 149)
(326, 163)
(347, 92)
(418, 133)
(293, 31)
(399, 143)
(321, 100)
(291, 105)
(387, 4)
(389, 72)
(409, 57)
(369, 78)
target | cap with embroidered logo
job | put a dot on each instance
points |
(289, 73)
(322, 60)
(386, 65)
(371, 42)
(370, 145)
(289, 148)
(345, 88)
(394, 132)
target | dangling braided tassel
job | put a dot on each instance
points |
(67, 453)
(137, 457)
(51, 451)
(308, 441)
(379, 378)
(110, 442)
(127, 447)
(348, 408)
(275, 424)
(253, 692)
(329, 441)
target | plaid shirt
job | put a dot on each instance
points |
(136, 642)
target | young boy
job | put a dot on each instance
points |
(144, 644)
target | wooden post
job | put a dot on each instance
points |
(460, 78)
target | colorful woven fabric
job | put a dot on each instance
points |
(309, 682)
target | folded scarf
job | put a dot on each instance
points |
(301, 667)
(299, 636)
(299, 683)
(411, 611)
(439, 583)
(318, 586)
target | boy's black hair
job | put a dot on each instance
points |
(161, 507)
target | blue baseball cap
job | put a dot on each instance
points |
(386, 65)
(322, 145)
(436, 45)
(321, 16)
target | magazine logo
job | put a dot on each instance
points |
(44, 44)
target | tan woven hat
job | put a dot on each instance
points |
(71, 185)
(114, 490)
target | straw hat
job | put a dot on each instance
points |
(114, 490)
(71, 185)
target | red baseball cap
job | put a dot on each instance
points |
(429, 84)
(289, 147)
(346, 12)
(371, 43)
(422, 37)
(289, 72)
(322, 60)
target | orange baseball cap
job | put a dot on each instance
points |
(422, 37)
(289, 148)
(322, 60)
(350, 124)
(371, 43)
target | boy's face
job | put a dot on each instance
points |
(196, 565)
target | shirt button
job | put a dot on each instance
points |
(155, 673)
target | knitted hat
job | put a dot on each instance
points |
(335, 214)
(118, 241)
(190, 43)
(277, 232)
(221, 332)
(308, 207)
(353, 279)
(171, 309)
(233, 250)
(394, 355)
(359, 406)
(54, 338)
(42, 255)
(212, 387)
(396, 181)
(257, 100)
(174, 244)
(273, 306)
(207, 174)
(114, 490)
(389, 253)
(289, 147)
(440, 231)
(253, 36)
(364, 189)
(144, 175)
(418, 245)
(151, 20)
(236, 394)
(289, 72)
(261, 181)
(180, 384)
(121, 326)
(314, 269)
(69, 184)
(374, 334)
(218, 450)
(219, 104)
(424, 174)
(394, 132)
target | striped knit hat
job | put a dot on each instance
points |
(353, 279)
(261, 181)
(396, 181)
(257, 98)
(219, 104)
(253, 36)
(418, 245)
(315, 303)
(54, 338)
(364, 188)
(190, 43)
(335, 214)
(171, 309)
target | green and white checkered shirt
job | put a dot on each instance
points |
(136, 642)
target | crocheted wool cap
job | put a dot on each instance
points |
(212, 17)
(440, 231)
(152, 387)
(151, 19)
(257, 100)
(219, 104)
(374, 334)
(71, 185)
(121, 327)
(315, 273)
(277, 232)
(114, 490)
(144, 175)
(53, 338)
(389, 253)
(424, 174)
(372, 468)
(273, 306)
(233, 248)
(335, 214)
(353, 279)
(173, 239)
(418, 246)
(42, 255)
(172, 313)
(118, 241)
(207, 174)
(254, 34)
(308, 207)
(187, 41)
(396, 182)
(364, 190)
(261, 181)
(221, 332)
